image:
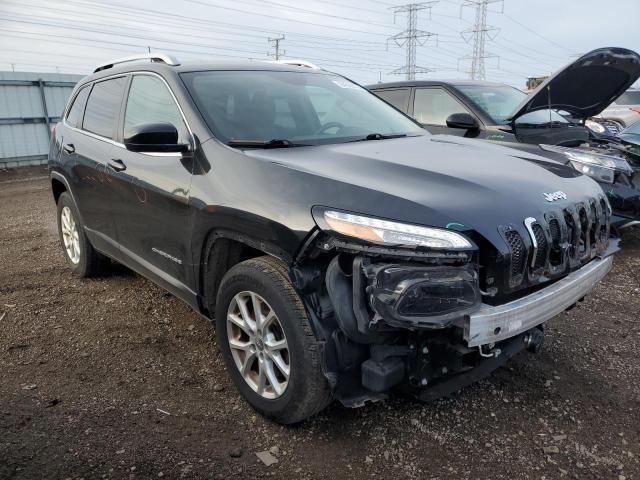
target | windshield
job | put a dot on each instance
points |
(499, 102)
(541, 117)
(634, 129)
(630, 97)
(305, 108)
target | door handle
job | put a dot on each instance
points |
(117, 164)
(69, 148)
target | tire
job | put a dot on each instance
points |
(265, 280)
(81, 257)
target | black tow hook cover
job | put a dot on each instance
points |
(534, 340)
(381, 376)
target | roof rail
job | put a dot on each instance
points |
(298, 63)
(153, 57)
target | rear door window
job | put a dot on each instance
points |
(432, 106)
(103, 107)
(399, 98)
(74, 117)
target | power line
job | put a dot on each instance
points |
(218, 46)
(324, 14)
(141, 37)
(353, 7)
(207, 43)
(139, 47)
(74, 21)
(335, 27)
(340, 44)
(478, 33)
(168, 41)
(411, 37)
(537, 34)
(144, 15)
(248, 41)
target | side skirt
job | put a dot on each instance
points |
(141, 266)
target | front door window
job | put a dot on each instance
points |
(432, 106)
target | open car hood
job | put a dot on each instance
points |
(587, 86)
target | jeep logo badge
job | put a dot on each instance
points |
(552, 197)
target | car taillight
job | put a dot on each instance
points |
(635, 109)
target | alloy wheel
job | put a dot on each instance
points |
(70, 235)
(258, 344)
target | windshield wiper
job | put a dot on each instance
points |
(273, 143)
(380, 136)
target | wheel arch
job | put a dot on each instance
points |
(223, 249)
(58, 186)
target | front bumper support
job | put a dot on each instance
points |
(492, 324)
(449, 385)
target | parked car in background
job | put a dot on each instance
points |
(603, 127)
(631, 136)
(553, 116)
(341, 249)
(624, 110)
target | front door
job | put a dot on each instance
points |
(152, 190)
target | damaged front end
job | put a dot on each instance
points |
(414, 316)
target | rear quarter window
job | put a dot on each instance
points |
(76, 112)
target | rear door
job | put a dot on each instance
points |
(431, 108)
(152, 189)
(88, 142)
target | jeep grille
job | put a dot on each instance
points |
(560, 241)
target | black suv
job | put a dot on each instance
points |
(341, 249)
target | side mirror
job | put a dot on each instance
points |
(462, 120)
(153, 137)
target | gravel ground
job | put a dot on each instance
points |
(114, 378)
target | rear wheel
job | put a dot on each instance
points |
(266, 340)
(80, 255)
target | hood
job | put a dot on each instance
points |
(427, 180)
(587, 86)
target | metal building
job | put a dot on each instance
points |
(30, 105)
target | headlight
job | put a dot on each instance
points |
(385, 232)
(596, 165)
(595, 126)
(422, 296)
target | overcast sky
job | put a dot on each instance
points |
(532, 37)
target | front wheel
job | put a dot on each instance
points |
(266, 340)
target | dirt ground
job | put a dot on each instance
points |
(114, 378)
